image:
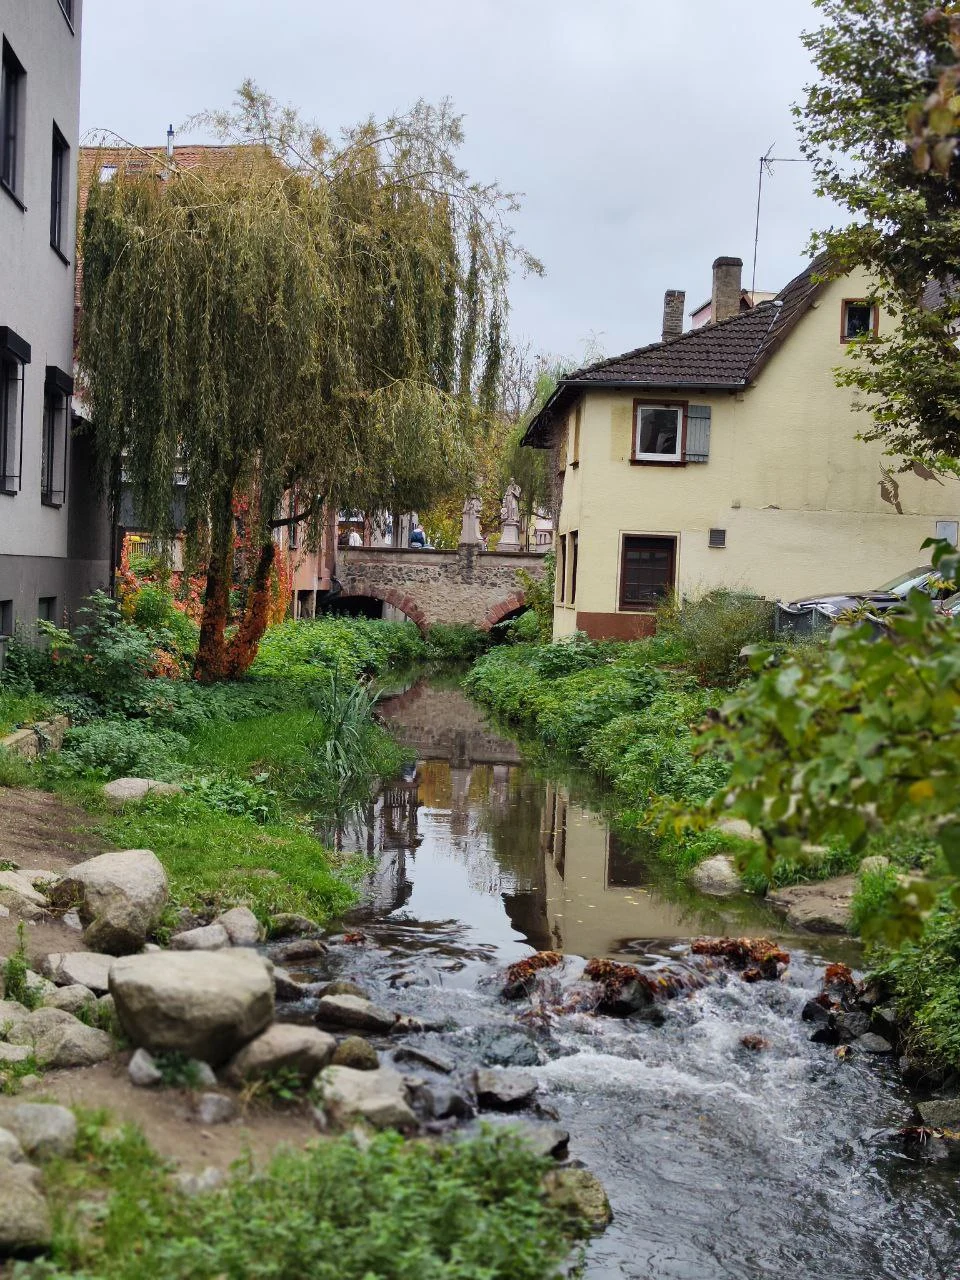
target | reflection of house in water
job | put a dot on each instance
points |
(594, 888)
(387, 835)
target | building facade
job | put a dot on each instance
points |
(54, 540)
(728, 457)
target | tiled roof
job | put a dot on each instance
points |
(727, 355)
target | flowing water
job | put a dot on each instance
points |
(719, 1161)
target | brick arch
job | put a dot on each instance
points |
(389, 595)
(496, 613)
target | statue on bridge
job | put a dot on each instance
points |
(470, 534)
(510, 518)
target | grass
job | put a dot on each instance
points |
(18, 709)
(469, 1210)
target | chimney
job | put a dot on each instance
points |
(672, 313)
(726, 288)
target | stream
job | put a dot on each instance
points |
(719, 1161)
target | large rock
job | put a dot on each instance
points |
(242, 926)
(286, 924)
(941, 1113)
(43, 1129)
(822, 907)
(13, 1053)
(205, 1004)
(361, 1015)
(358, 1053)
(79, 968)
(73, 999)
(132, 790)
(504, 1090)
(58, 1039)
(379, 1097)
(10, 1148)
(580, 1193)
(541, 1140)
(120, 898)
(19, 883)
(284, 1046)
(716, 875)
(740, 828)
(209, 937)
(24, 1218)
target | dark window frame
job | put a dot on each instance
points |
(14, 356)
(574, 460)
(7, 618)
(13, 77)
(47, 608)
(59, 193)
(874, 319)
(562, 571)
(57, 391)
(66, 8)
(573, 551)
(666, 539)
(650, 461)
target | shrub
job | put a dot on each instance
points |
(524, 629)
(122, 748)
(235, 795)
(304, 651)
(19, 704)
(714, 629)
(539, 596)
(924, 975)
(459, 643)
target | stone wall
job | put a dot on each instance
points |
(463, 586)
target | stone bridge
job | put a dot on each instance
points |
(463, 586)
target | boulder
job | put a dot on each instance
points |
(38, 987)
(871, 1043)
(132, 790)
(303, 949)
(344, 987)
(435, 1061)
(73, 999)
(58, 1039)
(361, 1015)
(941, 1113)
(442, 1102)
(579, 1193)
(356, 1052)
(209, 937)
(11, 1011)
(11, 1054)
(143, 1071)
(851, 1024)
(201, 1074)
(216, 1108)
(79, 968)
(740, 828)
(20, 884)
(498, 1048)
(541, 1140)
(10, 1148)
(822, 907)
(379, 1097)
(24, 1218)
(286, 924)
(43, 1129)
(242, 926)
(716, 875)
(284, 1046)
(504, 1090)
(205, 1004)
(120, 897)
(287, 987)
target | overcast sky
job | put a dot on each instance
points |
(633, 127)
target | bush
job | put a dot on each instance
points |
(307, 650)
(459, 643)
(524, 629)
(924, 975)
(713, 630)
(122, 748)
(19, 705)
(539, 596)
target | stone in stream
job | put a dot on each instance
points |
(504, 1090)
(300, 949)
(287, 987)
(209, 937)
(286, 924)
(242, 926)
(344, 987)
(120, 898)
(360, 1014)
(25, 1225)
(79, 968)
(823, 907)
(716, 875)
(580, 1193)
(379, 1097)
(498, 1048)
(435, 1061)
(871, 1043)
(851, 1024)
(205, 1004)
(356, 1052)
(58, 1039)
(43, 1129)
(941, 1113)
(443, 1103)
(284, 1046)
(541, 1140)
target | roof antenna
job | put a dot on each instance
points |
(170, 158)
(766, 166)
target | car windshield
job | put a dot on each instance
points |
(902, 585)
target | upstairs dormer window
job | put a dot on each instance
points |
(658, 429)
(860, 320)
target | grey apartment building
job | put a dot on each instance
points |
(54, 537)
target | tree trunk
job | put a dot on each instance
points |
(210, 664)
(242, 648)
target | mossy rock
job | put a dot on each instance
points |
(579, 1193)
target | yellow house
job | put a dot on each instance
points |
(727, 457)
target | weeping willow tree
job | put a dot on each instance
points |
(292, 322)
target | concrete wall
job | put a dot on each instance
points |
(464, 586)
(797, 493)
(37, 300)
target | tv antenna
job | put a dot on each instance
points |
(766, 166)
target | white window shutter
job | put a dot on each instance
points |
(698, 433)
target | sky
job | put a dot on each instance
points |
(633, 128)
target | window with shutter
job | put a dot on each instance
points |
(698, 433)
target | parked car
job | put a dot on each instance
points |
(820, 611)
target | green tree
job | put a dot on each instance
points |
(292, 317)
(869, 125)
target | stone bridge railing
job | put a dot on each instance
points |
(463, 586)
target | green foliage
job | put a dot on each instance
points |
(123, 748)
(19, 707)
(15, 771)
(177, 1071)
(236, 795)
(153, 612)
(308, 650)
(712, 630)
(526, 628)
(12, 1073)
(924, 974)
(15, 975)
(877, 67)
(334, 1211)
(539, 592)
(456, 642)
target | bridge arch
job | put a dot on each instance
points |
(399, 599)
(514, 604)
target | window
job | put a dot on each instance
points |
(47, 608)
(658, 432)
(575, 451)
(14, 354)
(57, 390)
(59, 169)
(67, 7)
(12, 86)
(108, 172)
(718, 538)
(572, 557)
(562, 570)
(647, 571)
(6, 617)
(859, 320)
